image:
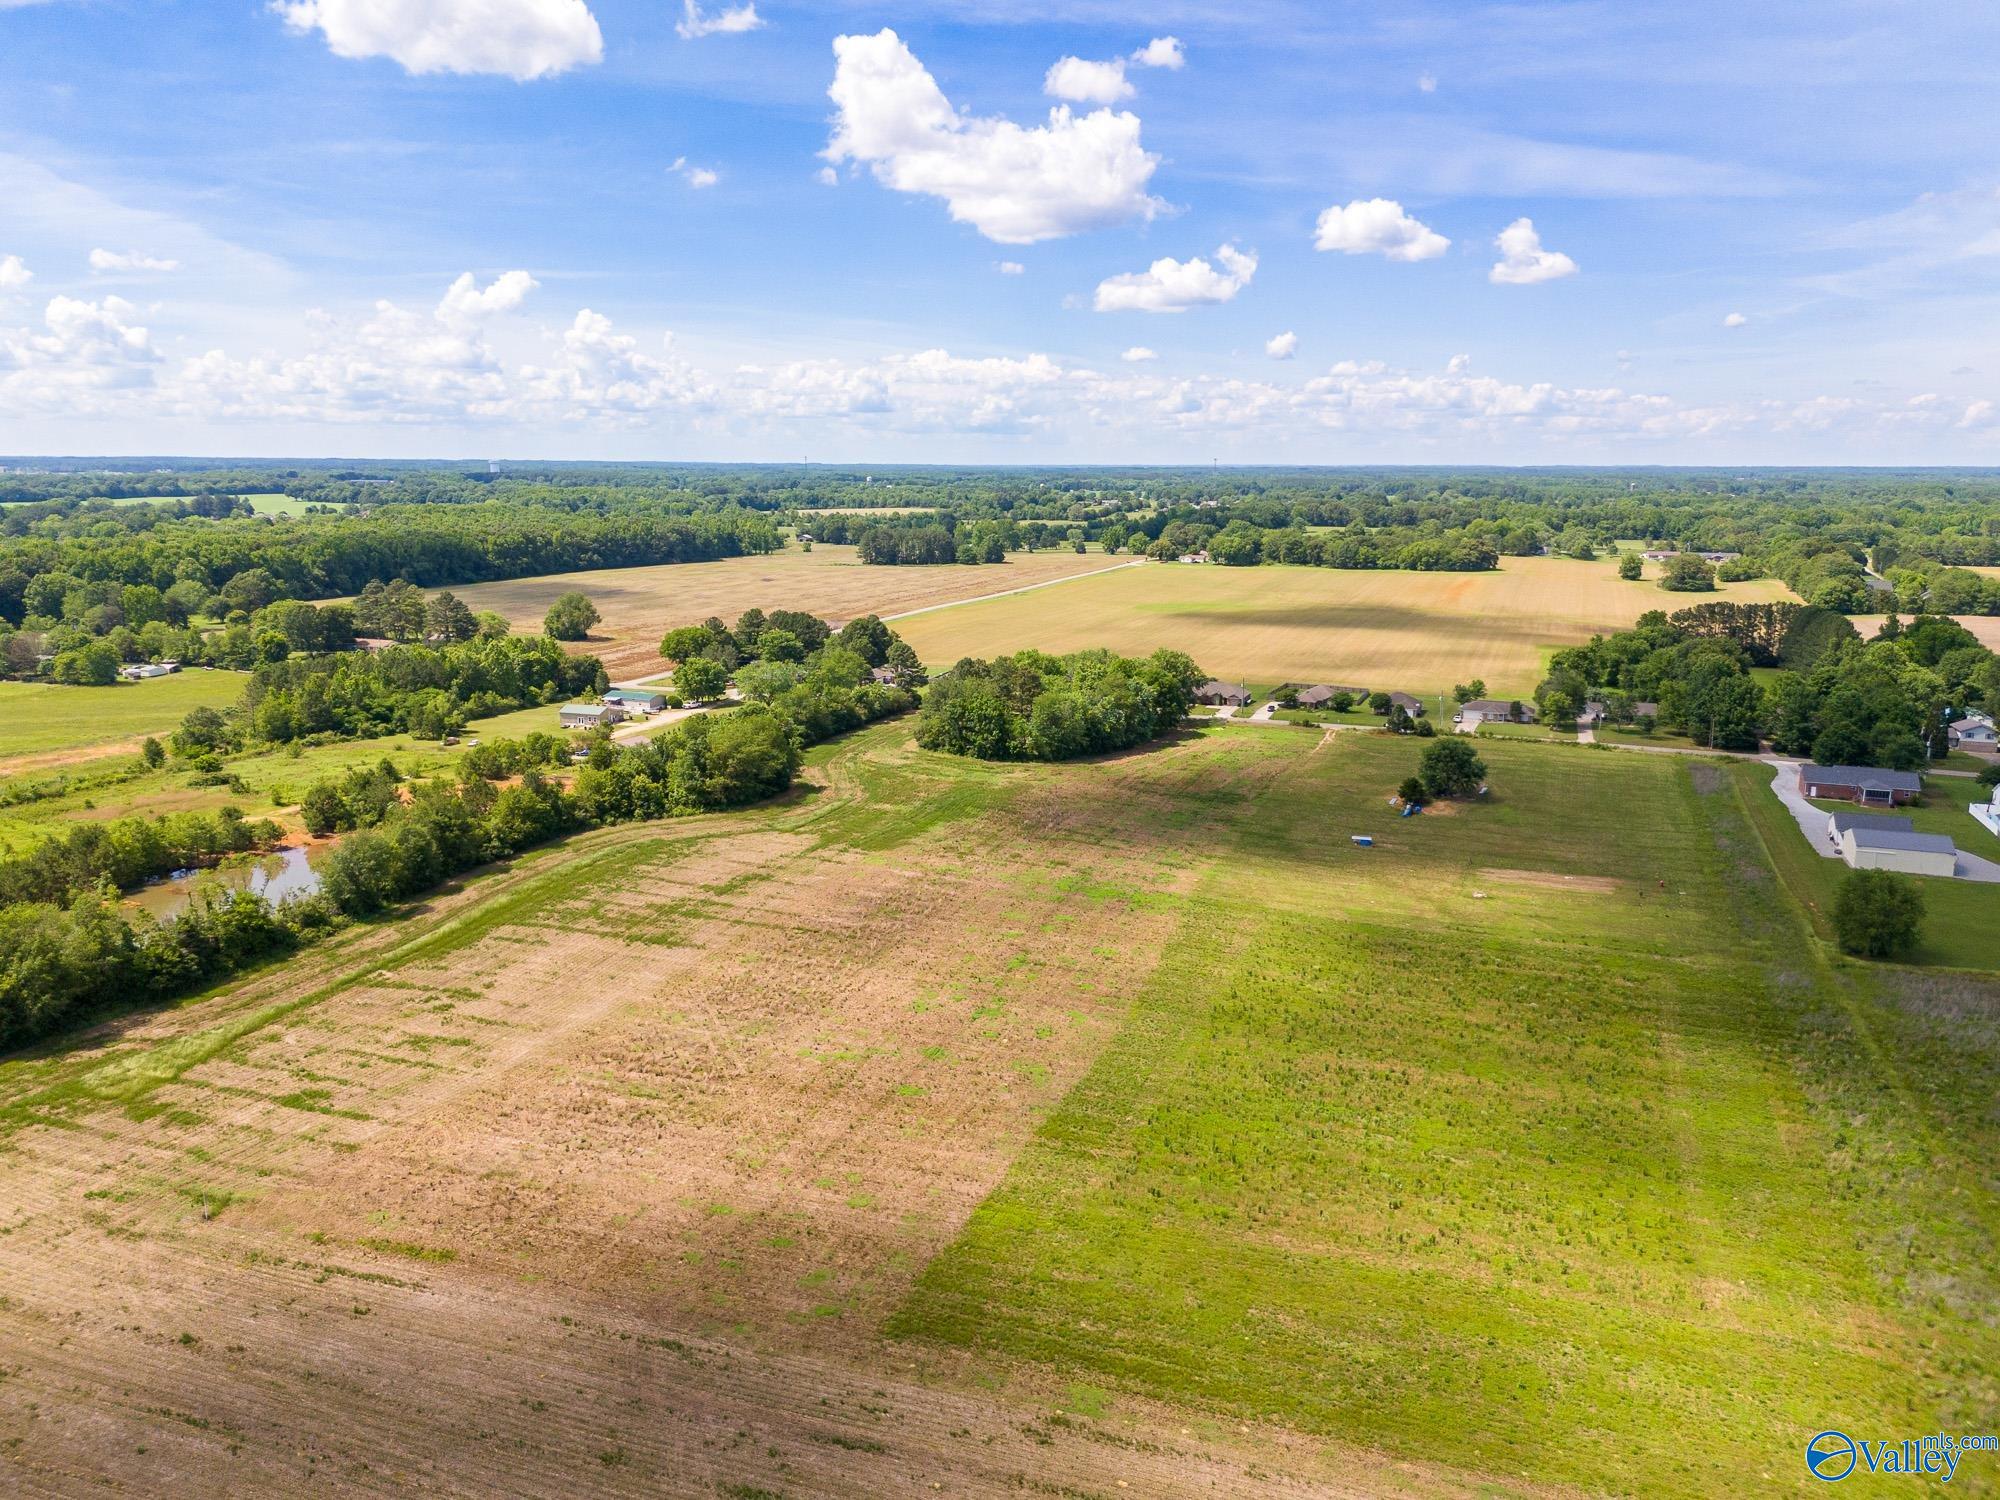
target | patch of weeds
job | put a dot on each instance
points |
(436, 1254)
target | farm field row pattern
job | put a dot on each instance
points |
(639, 605)
(829, 1148)
(1415, 632)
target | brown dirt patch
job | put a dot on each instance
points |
(1551, 881)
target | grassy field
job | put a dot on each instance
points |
(1098, 1129)
(1418, 632)
(640, 605)
(1960, 917)
(42, 722)
(1547, 1185)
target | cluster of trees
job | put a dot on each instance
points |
(126, 852)
(1837, 699)
(360, 799)
(1685, 573)
(933, 538)
(313, 557)
(92, 639)
(1428, 547)
(63, 960)
(771, 653)
(1033, 706)
(427, 691)
(399, 611)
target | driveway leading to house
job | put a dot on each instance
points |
(1264, 713)
(1812, 823)
(1811, 820)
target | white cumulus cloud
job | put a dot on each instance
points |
(1088, 82)
(1523, 261)
(1138, 354)
(466, 301)
(1282, 345)
(1734, 320)
(106, 262)
(1015, 184)
(14, 273)
(521, 39)
(1377, 226)
(1010, 268)
(1085, 82)
(693, 176)
(1171, 286)
(729, 21)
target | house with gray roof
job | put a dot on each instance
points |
(1870, 786)
(1904, 850)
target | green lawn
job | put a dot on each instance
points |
(41, 717)
(1518, 1142)
(1961, 916)
(1614, 735)
(1501, 729)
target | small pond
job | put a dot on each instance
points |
(275, 876)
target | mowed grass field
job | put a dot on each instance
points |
(44, 722)
(1417, 632)
(1518, 1142)
(1098, 1129)
(639, 605)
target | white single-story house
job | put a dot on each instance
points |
(1493, 708)
(1194, 557)
(883, 676)
(1407, 703)
(1973, 732)
(589, 715)
(637, 701)
(1906, 851)
(139, 671)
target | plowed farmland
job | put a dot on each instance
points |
(1414, 632)
(1113, 1128)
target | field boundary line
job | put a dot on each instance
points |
(1026, 588)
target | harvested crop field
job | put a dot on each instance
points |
(1113, 1128)
(1416, 632)
(640, 605)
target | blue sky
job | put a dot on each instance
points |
(579, 228)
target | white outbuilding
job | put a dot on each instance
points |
(1907, 852)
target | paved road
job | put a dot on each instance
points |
(1812, 823)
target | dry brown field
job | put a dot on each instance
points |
(1417, 632)
(639, 605)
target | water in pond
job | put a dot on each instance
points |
(287, 872)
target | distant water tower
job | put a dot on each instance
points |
(493, 466)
